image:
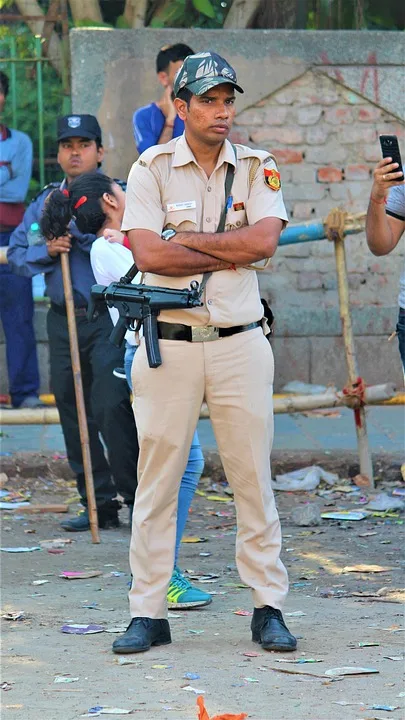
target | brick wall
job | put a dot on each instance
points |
(325, 138)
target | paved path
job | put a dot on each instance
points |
(386, 429)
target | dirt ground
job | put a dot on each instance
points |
(335, 626)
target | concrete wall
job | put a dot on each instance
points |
(318, 101)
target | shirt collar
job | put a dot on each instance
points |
(183, 154)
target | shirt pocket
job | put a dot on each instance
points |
(235, 219)
(181, 220)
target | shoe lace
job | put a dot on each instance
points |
(179, 581)
(278, 614)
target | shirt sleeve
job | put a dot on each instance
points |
(24, 259)
(144, 135)
(5, 175)
(143, 205)
(109, 261)
(396, 202)
(263, 201)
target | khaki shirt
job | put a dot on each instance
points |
(168, 189)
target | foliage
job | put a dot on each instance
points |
(187, 13)
(27, 101)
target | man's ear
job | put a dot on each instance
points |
(100, 154)
(163, 78)
(181, 107)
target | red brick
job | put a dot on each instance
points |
(357, 172)
(285, 135)
(339, 115)
(369, 113)
(286, 157)
(329, 175)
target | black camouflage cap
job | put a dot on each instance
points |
(85, 126)
(203, 71)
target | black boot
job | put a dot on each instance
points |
(141, 633)
(107, 518)
(269, 629)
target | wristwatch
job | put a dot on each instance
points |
(168, 234)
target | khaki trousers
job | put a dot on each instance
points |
(235, 376)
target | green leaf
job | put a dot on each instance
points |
(157, 23)
(204, 7)
(122, 23)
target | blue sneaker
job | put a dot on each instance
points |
(181, 594)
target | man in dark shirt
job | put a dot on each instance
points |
(107, 399)
(158, 123)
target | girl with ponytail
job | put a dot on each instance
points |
(95, 203)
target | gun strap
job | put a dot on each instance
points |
(230, 174)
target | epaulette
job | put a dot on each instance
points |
(121, 183)
(50, 186)
(247, 152)
(155, 151)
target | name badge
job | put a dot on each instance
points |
(187, 205)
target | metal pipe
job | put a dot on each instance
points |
(13, 75)
(375, 395)
(41, 153)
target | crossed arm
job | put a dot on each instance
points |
(190, 253)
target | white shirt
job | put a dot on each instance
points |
(109, 262)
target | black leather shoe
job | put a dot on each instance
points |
(269, 629)
(106, 519)
(141, 634)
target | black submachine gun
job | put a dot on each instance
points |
(141, 304)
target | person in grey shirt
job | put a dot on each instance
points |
(385, 225)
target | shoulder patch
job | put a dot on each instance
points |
(272, 178)
(50, 186)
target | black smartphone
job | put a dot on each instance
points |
(390, 148)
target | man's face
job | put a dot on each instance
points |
(166, 77)
(78, 155)
(210, 116)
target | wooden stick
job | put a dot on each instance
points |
(80, 404)
(32, 509)
(336, 233)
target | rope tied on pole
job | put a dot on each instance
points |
(355, 394)
(335, 225)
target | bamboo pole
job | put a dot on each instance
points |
(81, 408)
(335, 224)
(374, 395)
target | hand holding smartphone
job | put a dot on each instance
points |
(390, 149)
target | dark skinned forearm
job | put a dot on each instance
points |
(157, 256)
(240, 247)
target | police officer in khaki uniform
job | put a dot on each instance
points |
(176, 196)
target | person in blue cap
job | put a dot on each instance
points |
(109, 412)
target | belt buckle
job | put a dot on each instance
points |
(203, 333)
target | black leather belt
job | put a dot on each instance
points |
(174, 331)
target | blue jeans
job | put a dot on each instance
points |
(192, 473)
(17, 317)
(401, 334)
